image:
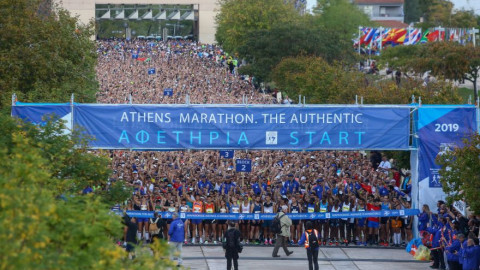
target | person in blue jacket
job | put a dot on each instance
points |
(471, 254)
(440, 235)
(177, 236)
(463, 243)
(312, 252)
(424, 218)
(453, 251)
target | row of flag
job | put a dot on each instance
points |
(372, 37)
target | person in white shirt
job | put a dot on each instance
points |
(385, 165)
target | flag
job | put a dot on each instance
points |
(369, 36)
(366, 32)
(148, 59)
(399, 37)
(433, 36)
(142, 59)
(424, 38)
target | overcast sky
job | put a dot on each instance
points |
(459, 4)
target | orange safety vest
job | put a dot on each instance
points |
(307, 242)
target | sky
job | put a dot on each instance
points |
(458, 4)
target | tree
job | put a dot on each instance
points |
(341, 17)
(412, 11)
(45, 54)
(322, 82)
(461, 172)
(48, 229)
(264, 49)
(463, 19)
(448, 60)
(237, 19)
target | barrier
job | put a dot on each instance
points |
(263, 216)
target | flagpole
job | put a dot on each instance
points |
(359, 36)
(381, 39)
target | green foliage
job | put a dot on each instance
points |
(46, 225)
(341, 17)
(441, 13)
(236, 20)
(45, 54)
(290, 39)
(448, 60)
(461, 172)
(321, 82)
(412, 11)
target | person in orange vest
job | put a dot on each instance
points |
(311, 241)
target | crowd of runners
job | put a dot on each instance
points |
(204, 182)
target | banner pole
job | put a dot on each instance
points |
(72, 100)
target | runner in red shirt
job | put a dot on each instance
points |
(373, 222)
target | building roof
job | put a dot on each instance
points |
(371, 2)
(392, 24)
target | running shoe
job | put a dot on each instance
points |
(193, 240)
(214, 242)
(206, 242)
(266, 242)
(292, 242)
(270, 242)
(185, 242)
(337, 243)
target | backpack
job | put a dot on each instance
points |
(276, 227)
(312, 240)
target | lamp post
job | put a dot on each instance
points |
(125, 25)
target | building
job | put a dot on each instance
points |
(388, 13)
(204, 12)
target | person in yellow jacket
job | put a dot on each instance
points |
(311, 241)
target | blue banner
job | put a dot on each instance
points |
(151, 71)
(134, 56)
(168, 92)
(243, 165)
(240, 127)
(227, 153)
(440, 129)
(231, 216)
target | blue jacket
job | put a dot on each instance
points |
(437, 235)
(460, 252)
(423, 220)
(177, 231)
(471, 257)
(303, 239)
(454, 247)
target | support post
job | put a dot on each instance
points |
(72, 101)
(130, 99)
(359, 36)
(356, 99)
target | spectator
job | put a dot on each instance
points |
(232, 246)
(282, 237)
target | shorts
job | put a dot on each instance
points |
(142, 219)
(267, 224)
(197, 221)
(255, 223)
(184, 220)
(295, 222)
(383, 220)
(221, 222)
(321, 221)
(169, 221)
(361, 222)
(208, 221)
(372, 224)
(334, 223)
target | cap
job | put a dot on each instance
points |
(284, 207)
(319, 180)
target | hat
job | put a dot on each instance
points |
(303, 178)
(290, 175)
(319, 180)
(284, 207)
